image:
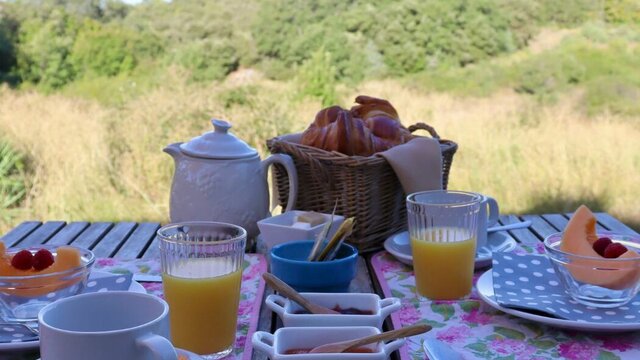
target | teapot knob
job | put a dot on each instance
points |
(220, 126)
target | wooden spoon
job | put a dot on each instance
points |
(342, 346)
(289, 292)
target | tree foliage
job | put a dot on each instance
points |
(51, 42)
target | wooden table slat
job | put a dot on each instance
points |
(43, 233)
(91, 235)
(540, 226)
(524, 236)
(613, 224)
(137, 241)
(20, 232)
(557, 220)
(112, 241)
(153, 250)
(68, 233)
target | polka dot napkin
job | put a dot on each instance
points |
(528, 282)
(97, 282)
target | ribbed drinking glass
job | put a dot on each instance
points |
(201, 275)
(442, 227)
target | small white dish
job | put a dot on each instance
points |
(398, 245)
(486, 293)
(379, 308)
(279, 229)
(28, 345)
(289, 338)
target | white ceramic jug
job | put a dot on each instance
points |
(218, 177)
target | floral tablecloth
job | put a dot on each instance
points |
(478, 331)
(250, 295)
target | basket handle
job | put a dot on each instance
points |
(428, 128)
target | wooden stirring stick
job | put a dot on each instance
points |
(289, 292)
(342, 346)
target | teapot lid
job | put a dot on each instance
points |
(218, 144)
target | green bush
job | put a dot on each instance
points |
(317, 78)
(44, 49)
(7, 46)
(12, 178)
(210, 59)
(622, 11)
(102, 51)
(614, 94)
(545, 76)
(568, 12)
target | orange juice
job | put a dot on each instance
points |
(443, 263)
(203, 310)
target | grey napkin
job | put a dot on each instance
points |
(529, 282)
(97, 282)
(417, 164)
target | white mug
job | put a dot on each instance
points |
(488, 216)
(105, 326)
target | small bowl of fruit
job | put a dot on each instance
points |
(599, 269)
(32, 277)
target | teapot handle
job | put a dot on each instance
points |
(292, 173)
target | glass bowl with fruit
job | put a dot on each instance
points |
(599, 269)
(33, 277)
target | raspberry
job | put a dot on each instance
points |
(601, 244)
(42, 259)
(614, 250)
(23, 260)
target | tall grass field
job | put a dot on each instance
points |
(89, 160)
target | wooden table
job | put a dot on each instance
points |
(127, 240)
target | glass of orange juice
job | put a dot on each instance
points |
(201, 275)
(442, 227)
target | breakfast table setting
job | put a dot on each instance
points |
(371, 257)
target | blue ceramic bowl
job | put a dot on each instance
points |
(289, 263)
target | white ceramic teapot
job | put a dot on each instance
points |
(218, 177)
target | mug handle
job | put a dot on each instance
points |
(159, 346)
(292, 173)
(494, 211)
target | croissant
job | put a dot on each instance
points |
(370, 127)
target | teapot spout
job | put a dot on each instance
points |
(174, 151)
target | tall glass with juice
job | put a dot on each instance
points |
(201, 274)
(442, 227)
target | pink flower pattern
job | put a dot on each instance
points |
(251, 281)
(506, 347)
(577, 350)
(453, 334)
(476, 317)
(617, 343)
(477, 331)
(409, 314)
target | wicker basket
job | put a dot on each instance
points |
(366, 187)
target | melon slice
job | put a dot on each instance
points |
(578, 239)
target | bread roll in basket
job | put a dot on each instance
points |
(335, 160)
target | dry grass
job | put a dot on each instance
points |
(93, 163)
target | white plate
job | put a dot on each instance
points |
(398, 245)
(485, 290)
(27, 345)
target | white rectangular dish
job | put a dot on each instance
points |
(379, 308)
(280, 228)
(285, 339)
